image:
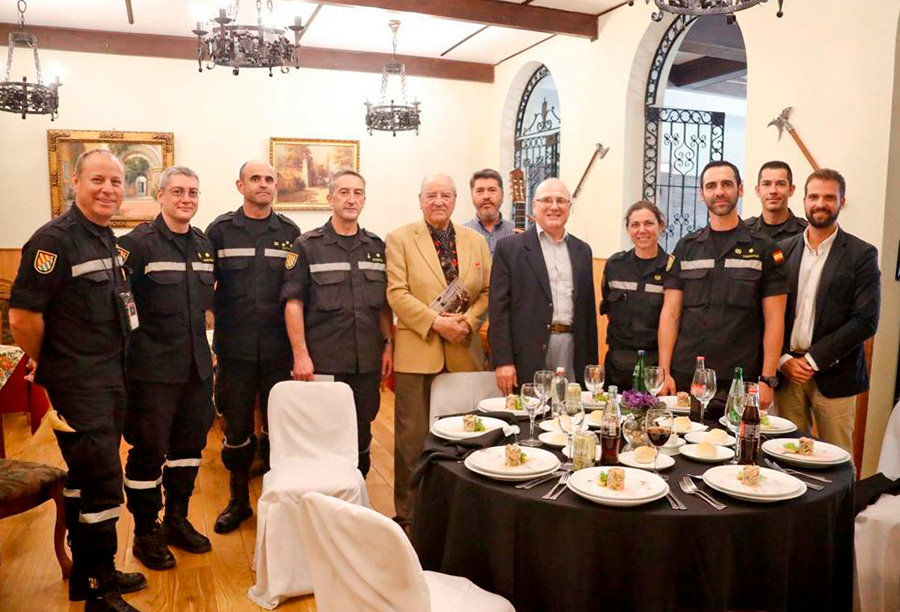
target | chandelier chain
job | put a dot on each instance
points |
(22, 6)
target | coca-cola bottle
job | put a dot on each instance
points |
(748, 434)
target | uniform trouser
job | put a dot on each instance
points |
(834, 416)
(93, 489)
(166, 425)
(367, 396)
(238, 384)
(411, 406)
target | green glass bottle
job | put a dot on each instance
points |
(637, 377)
(735, 404)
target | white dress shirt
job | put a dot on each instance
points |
(559, 268)
(812, 262)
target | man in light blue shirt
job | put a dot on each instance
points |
(487, 196)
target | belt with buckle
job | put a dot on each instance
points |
(560, 328)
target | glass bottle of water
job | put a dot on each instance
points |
(735, 404)
(558, 390)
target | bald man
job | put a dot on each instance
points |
(251, 344)
(542, 296)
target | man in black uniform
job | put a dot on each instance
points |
(71, 311)
(170, 406)
(775, 186)
(726, 291)
(251, 246)
(336, 309)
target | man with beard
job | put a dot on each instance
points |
(487, 196)
(725, 297)
(775, 186)
(832, 310)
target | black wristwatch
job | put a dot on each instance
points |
(772, 381)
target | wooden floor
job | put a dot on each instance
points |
(30, 579)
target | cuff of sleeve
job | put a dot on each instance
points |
(812, 361)
(784, 359)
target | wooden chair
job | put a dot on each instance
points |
(25, 485)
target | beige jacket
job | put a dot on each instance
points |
(414, 279)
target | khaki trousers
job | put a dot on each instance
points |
(834, 417)
(411, 407)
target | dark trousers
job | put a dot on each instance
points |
(166, 425)
(238, 383)
(716, 407)
(367, 396)
(94, 486)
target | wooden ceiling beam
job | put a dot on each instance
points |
(704, 71)
(181, 47)
(493, 12)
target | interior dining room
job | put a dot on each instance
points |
(623, 101)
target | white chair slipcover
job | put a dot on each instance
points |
(312, 430)
(360, 560)
(889, 460)
(456, 392)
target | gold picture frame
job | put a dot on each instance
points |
(303, 167)
(144, 154)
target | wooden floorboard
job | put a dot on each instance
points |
(217, 581)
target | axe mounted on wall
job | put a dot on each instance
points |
(600, 152)
(782, 123)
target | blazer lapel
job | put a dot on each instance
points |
(794, 256)
(535, 258)
(835, 256)
(464, 250)
(426, 247)
(576, 268)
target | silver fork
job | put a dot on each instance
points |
(562, 482)
(775, 466)
(688, 486)
(533, 483)
(563, 488)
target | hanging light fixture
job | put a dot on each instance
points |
(390, 117)
(22, 97)
(263, 45)
(704, 8)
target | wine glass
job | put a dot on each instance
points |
(658, 423)
(531, 399)
(703, 387)
(542, 381)
(654, 378)
(594, 376)
(570, 419)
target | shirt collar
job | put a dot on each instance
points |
(496, 227)
(240, 218)
(825, 245)
(541, 233)
(96, 230)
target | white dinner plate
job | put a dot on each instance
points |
(773, 486)
(665, 461)
(694, 427)
(690, 451)
(696, 437)
(824, 454)
(776, 426)
(554, 438)
(451, 428)
(505, 477)
(493, 460)
(641, 487)
(671, 402)
(552, 425)
(595, 419)
(498, 404)
(673, 446)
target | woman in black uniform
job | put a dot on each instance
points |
(632, 293)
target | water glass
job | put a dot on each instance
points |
(594, 376)
(530, 401)
(543, 379)
(703, 387)
(654, 378)
(570, 421)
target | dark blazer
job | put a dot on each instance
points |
(521, 305)
(847, 304)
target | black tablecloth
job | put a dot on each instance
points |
(572, 555)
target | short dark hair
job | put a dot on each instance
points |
(721, 163)
(645, 205)
(776, 165)
(341, 173)
(487, 173)
(827, 174)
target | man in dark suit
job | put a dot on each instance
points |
(832, 310)
(541, 305)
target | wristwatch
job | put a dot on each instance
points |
(772, 381)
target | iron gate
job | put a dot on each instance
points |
(537, 137)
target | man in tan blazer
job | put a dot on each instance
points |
(422, 259)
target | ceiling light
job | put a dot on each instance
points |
(704, 8)
(22, 97)
(391, 117)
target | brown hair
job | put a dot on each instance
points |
(645, 205)
(487, 173)
(827, 174)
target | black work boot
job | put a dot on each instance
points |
(238, 509)
(178, 531)
(128, 583)
(150, 548)
(104, 595)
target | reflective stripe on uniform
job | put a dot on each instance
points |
(750, 264)
(698, 264)
(329, 267)
(654, 288)
(276, 253)
(94, 265)
(173, 463)
(201, 267)
(236, 253)
(241, 445)
(624, 285)
(99, 517)
(165, 266)
(368, 265)
(142, 484)
(71, 492)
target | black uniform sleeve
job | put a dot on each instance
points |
(44, 267)
(673, 278)
(212, 234)
(296, 276)
(604, 290)
(131, 250)
(774, 277)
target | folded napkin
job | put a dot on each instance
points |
(868, 490)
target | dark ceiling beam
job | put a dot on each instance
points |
(180, 47)
(705, 71)
(493, 12)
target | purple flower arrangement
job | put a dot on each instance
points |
(638, 401)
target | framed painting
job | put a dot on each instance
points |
(144, 154)
(303, 167)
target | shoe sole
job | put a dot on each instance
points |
(82, 596)
(149, 565)
(217, 529)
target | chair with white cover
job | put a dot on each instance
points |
(456, 392)
(360, 560)
(312, 430)
(889, 460)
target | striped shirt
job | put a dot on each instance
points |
(502, 230)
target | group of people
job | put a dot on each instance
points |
(116, 329)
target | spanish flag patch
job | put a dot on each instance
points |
(778, 257)
(670, 263)
(123, 254)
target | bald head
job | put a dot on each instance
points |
(554, 186)
(257, 184)
(437, 199)
(551, 205)
(437, 178)
(250, 165)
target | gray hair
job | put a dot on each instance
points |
(342, 173)
(436, 174)
(79, 163)
(171, 171)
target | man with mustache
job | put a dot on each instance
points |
(251, 343)
(832, 310)
(725, 297)
(487, 196)
(775, 186)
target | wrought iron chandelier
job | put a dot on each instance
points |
(247, 46)
(703, 8)
(22, 97)
(392, 117)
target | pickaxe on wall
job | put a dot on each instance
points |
(600, 152)
(782, 123)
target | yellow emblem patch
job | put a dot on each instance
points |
(44, 262)
(290, 261)
(123, 254)
(737, 251)
(671, 263)
(657, 277)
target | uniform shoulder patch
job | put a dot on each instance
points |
(778, 257)
(123, 254)
(670, 263)
(44, 261)
(290, 261)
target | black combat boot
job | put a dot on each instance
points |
(104, 595)
(128, 582)
(178, 531)
(149, 546)
(238, 509)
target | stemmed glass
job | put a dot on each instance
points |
(531, 399)
(703, 387)
(542, 381)
(571, 417)
(658, 423)
(654, 378)
(594, 376)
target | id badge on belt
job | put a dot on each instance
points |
(130, 309)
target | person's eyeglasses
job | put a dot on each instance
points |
(549, 201)
(180, 191)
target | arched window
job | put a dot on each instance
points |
(537, 131)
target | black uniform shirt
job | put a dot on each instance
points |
(71, 273)
(632, 298)
(721, 315)
(342, 285)
(249, 273)
(172, 279)
(793, 226)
